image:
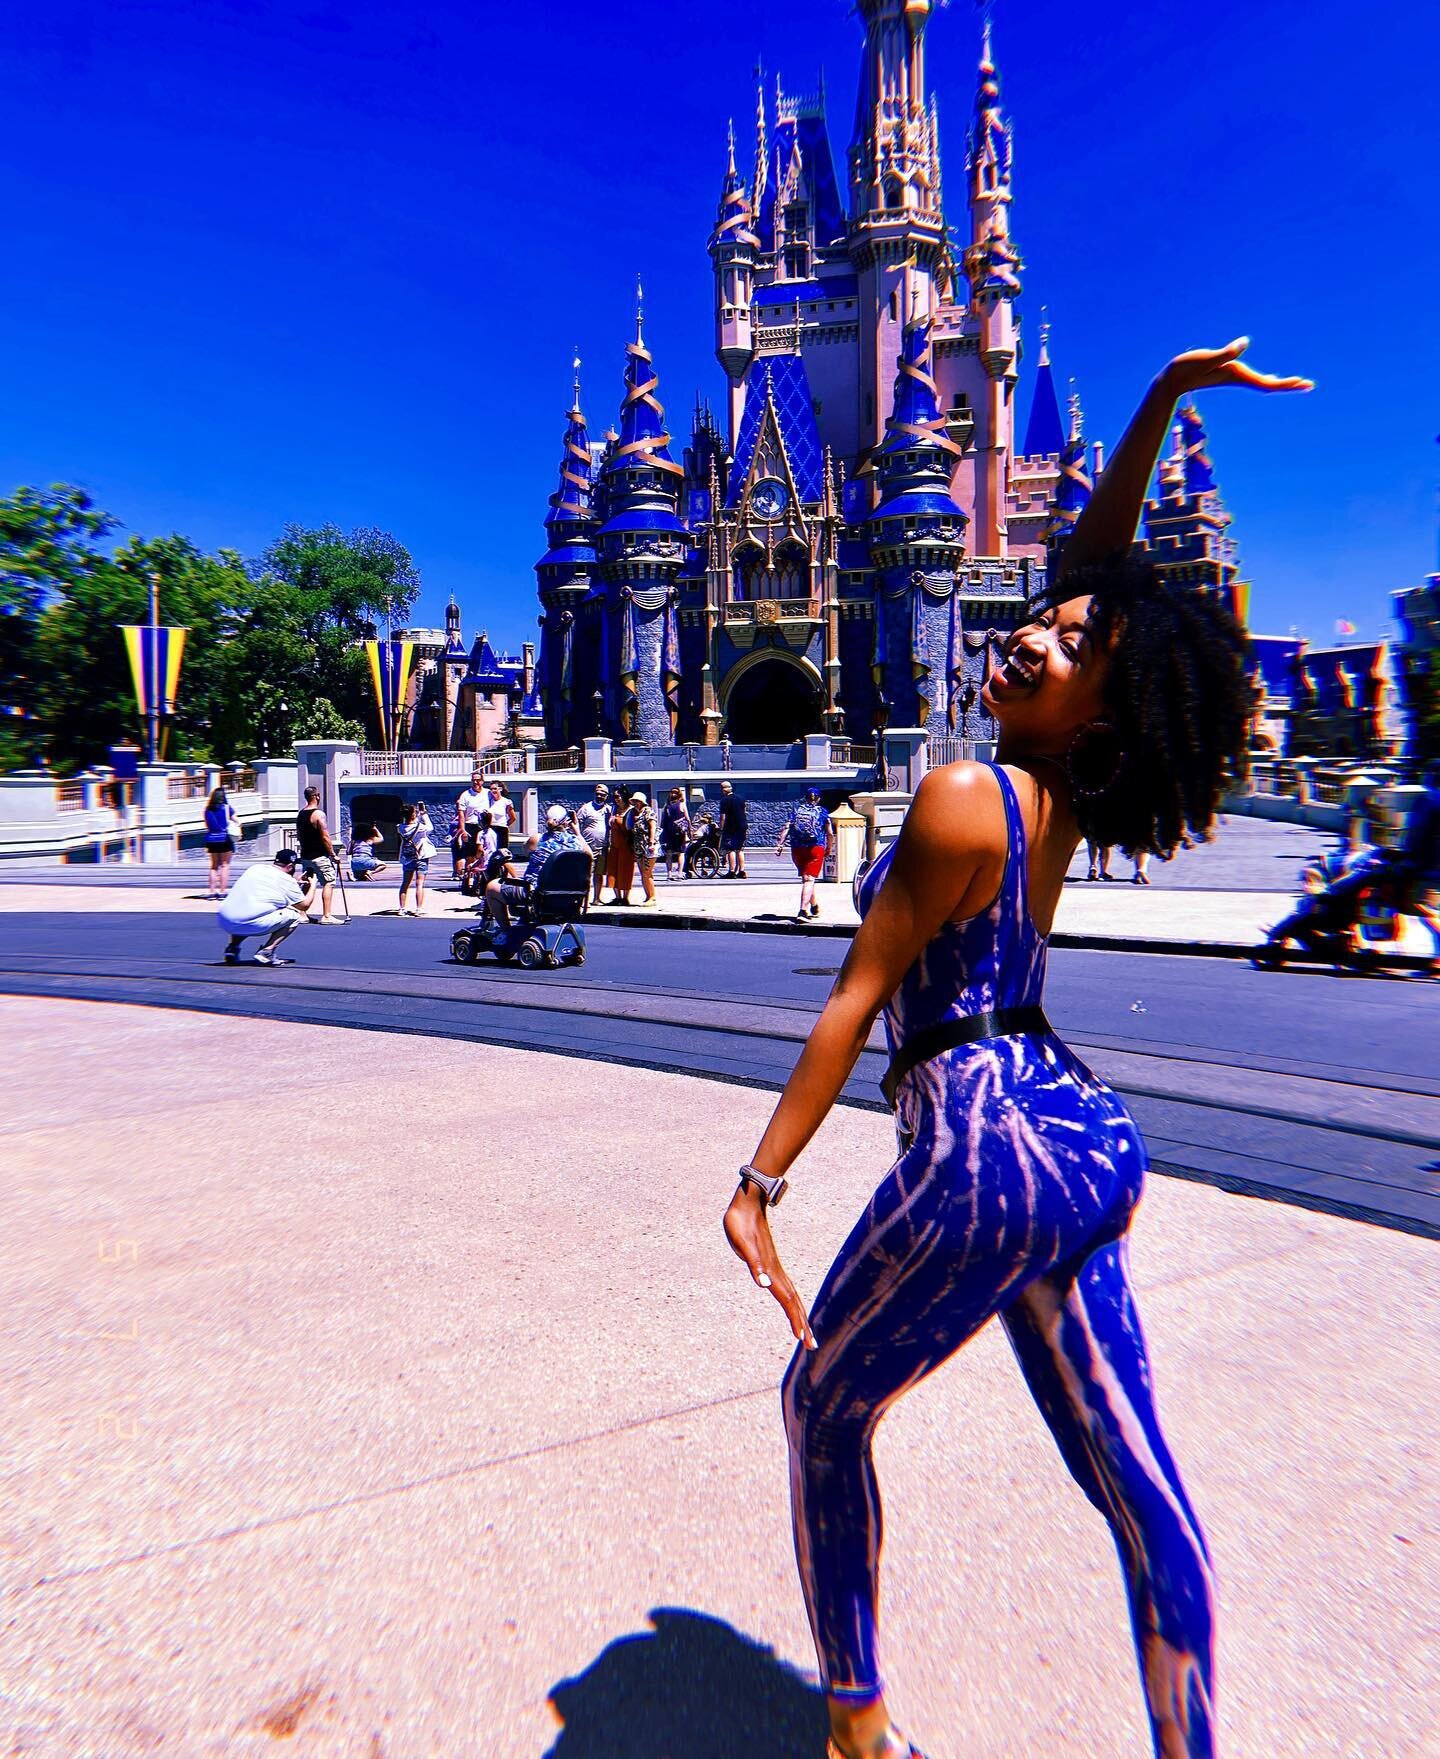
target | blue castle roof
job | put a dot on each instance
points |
(808, 131)
(915, 458)
(785, 293)
(572, 501)
(1044, 432)
(781, 377)
(1199, 472)
(643, 440)
(1073, 491)
(1273, 656)
(486, 670)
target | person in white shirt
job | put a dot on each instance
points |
(501, 814)
(472, 809)
(268, 900)
(593, 824)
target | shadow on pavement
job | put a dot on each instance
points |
(692, 1687)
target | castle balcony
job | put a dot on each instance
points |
(764, 613)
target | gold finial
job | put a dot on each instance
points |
(639, 310)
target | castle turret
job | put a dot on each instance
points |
(895, 216)
(1075, 487)
(733, 246)
(642, 548)
(916, 534)
(992, 266)
(565, 573)
(1186, 525)
(1044, 432)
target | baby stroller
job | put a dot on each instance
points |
(702, 852)
(1349, 901)
(542, 930)
(475, 881)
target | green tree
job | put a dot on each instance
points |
(85, 690)
(48, 547)
(297, 640)
(274, 649)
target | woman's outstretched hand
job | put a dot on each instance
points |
(747, 1228)
(1202, 369)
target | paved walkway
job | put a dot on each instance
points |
(367, 1453)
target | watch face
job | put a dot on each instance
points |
(769, 498)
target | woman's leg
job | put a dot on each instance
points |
(1077, 1336)
(944, 1243)
(211, 881)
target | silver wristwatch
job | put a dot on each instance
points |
(771, 1190)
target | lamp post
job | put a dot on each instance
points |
(514, 693)
(882, 766)
(599, 700)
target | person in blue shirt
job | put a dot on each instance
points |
(501, 893)
(808, 833)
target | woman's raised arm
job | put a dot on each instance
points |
(1110, 519)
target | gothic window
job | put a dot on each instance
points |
(797, 262)
(797, 219)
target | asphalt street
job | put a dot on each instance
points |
(1298, 1086)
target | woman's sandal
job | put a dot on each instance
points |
(833, 1750)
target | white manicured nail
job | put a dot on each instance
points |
(763, 1280)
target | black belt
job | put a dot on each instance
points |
(968, 1029)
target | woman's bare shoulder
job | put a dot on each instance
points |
(958, 808)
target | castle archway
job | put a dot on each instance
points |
(771, 698)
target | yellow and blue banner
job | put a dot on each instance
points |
(155, 651)
(390, 674)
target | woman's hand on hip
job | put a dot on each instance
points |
(747, 1228)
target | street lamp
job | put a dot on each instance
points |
(882, 767)
(515, 692)
(599, 700)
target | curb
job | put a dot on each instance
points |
(1090, 943)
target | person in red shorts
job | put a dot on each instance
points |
(808, 831)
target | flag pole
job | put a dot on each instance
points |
(157, 683)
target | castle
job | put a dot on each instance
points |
(835, 554)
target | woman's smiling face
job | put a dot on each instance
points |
(1052, 679)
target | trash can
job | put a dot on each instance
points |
(848, 853)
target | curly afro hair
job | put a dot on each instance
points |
(1178, 698)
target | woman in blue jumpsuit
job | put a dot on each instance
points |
(1123, 710)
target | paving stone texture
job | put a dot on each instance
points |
(371, 1450)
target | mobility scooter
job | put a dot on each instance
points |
(542, 929)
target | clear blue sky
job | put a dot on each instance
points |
(325, 261)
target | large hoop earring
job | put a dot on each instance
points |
(1083, 764)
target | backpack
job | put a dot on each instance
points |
(807, 822)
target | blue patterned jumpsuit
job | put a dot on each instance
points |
(1017, 1176)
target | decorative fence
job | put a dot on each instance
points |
(850, 751)
(949, 748)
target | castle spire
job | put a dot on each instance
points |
(917, 455)
(1072, 493)
(891, 156)
(1044, 434)
(642, 443)
(1199, 472)
(571, 503)
(761, 153)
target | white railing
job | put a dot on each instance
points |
(950, 748)
(398, 764)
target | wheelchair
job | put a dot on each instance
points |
(542, 930)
